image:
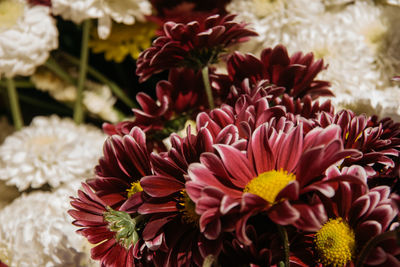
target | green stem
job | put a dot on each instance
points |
(14, 104)
(207, 87)
(101, 78)
(78, 110)
(371, 244)
(18, 84)
(285, 241)
(52, 64)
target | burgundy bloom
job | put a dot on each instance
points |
(266, 248)
(195, 44)
(343, 224)
(113, 232)
(40, 2)
(3, 264)
(280, 166)
(296, 73)
(124, 163)
(379, 142)
(165, 7)
(172, 228)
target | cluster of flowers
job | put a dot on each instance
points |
(271, 176)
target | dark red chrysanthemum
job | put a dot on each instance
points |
(379, 142)
(113, 232)
(173, 226)
(280, 166)
(3, 264)
(164, 7)
(266, 247)
(124, 163)
(296, 73)
(40, 2)
(194, 45)
(342, 225)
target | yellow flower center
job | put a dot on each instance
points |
(188, 209)
(335, 243)
(135, 188)
(10, 12)
(374, 34)
(268, 184)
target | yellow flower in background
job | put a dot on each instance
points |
(124, 40)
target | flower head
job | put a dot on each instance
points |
(194, 44)
(114, 232)
(49, 151)
(39, 219)
(27, 35)
(280, 165)
(349, 220)
(296, 73)
(124, 40)
(120, 11)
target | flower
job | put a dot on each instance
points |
(40, 2)
(27, 35)
(125, 160)
(274, 20)
(279, 167)
(194, 44)
(124, 40)
(112, 231)
(164, 7)
(49, 151)
(179, 98)
(126, 12)
(379, 145)
(39, 219)
(169, 207)
(342, 225)
(296, 73)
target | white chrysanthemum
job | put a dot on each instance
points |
(383, 103)
(122, 11)
(97, 97)
(100, 101)
(351, 64)
(273, 19)
(51, 150)
(379, 28)
(27, 34)
(36, 230)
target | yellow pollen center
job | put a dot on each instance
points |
(10, 11)
(335, 243)
(188, 209)
(268, 184)
(135, 188)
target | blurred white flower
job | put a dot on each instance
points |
(352, 68)
(51, 150)
(47, 81)
(273, 19)
(27, 35)
(121, 11)
(36, 230)
(99, 100)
